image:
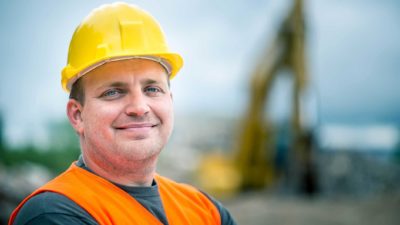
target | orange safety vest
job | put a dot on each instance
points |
(108, 204)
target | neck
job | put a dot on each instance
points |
(138, 173)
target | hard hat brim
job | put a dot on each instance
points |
(172, 62)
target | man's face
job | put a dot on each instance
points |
(127, 115)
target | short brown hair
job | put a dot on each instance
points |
(77, 91)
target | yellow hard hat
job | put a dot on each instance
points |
(115, 32)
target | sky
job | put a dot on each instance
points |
(353, 51)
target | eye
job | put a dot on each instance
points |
(111, 93)
(153, 91)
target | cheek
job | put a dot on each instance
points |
(163, 110)
(167, 112)
(98, 117)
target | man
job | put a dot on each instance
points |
(120, 106)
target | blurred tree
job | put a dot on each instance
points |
(1, 133)
(63, 148)
(62, 136)
(396, 153)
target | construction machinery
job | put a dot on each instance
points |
(253, 164)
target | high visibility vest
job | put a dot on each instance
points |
(108, 204)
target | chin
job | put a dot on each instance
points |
(139, 151)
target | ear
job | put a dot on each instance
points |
(74, 111)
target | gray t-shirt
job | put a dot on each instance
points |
(56, 209)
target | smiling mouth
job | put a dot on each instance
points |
(136, 126)
(136, 131)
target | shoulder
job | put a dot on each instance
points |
(226, 217)
(52, 208)
(201, 197)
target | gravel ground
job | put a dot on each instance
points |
(261, 208)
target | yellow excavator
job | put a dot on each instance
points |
(253, 164)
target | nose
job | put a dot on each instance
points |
(137, 105)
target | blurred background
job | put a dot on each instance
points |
(286, 111)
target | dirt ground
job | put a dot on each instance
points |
(264, 209)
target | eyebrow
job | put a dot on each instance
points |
(120, 84)
(150, 81)
(113, 84)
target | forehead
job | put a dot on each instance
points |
(126, 71)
